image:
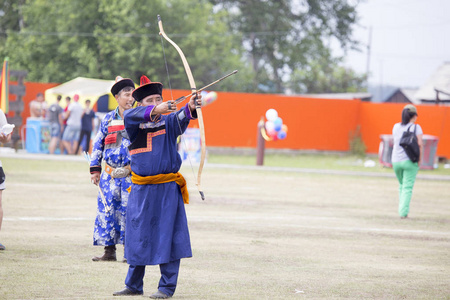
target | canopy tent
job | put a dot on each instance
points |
(96, 90)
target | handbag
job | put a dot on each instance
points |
(410, 144)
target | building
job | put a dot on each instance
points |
(435, 91)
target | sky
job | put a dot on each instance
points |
(410, 39)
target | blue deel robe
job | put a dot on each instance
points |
(157, 230)
(111, 145)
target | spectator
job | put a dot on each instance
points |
(4, 138)
(87, 124)
(38, 106)
(61, 145)
(404, 168)
(55, 117)
(72, 131)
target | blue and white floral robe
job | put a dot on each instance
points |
(111, 145)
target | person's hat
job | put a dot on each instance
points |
(147, 88)
(411, 108)
(120, 84)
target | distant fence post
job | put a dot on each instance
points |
(261, 144)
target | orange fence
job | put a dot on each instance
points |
(31, 90)
(378, 118)
(313, 124)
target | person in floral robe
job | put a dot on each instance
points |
(111, 146)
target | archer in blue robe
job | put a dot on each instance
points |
(157, 230)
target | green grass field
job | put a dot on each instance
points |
(261, 233)
(329, 161)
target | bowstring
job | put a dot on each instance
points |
(176, 117)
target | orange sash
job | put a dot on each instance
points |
(163, 178)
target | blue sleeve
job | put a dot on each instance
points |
(135, 116)
(99, 143)
(179, 121)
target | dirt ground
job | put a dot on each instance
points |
(260, 234)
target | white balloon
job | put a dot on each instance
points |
(209, 98)
(271, 114)
(270, 125)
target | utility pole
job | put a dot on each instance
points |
(369, 46)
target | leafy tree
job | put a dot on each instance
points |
(326, 76)
(283, 36)
(10, 16)
(272, 43)
(61, 40)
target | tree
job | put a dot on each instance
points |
(271, 42)
(64, 39)
(326, 76)
(282, 36)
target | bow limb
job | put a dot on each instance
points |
(198, 108)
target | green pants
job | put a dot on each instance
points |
(406, 172)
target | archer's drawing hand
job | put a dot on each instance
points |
(195, 101)
(95, 178)
(165, 107)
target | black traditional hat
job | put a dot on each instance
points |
(147, 88)
(120, 84)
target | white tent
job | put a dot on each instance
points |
(85, 88)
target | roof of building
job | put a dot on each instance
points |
(440, 80)
(344, 96)
(411, 95)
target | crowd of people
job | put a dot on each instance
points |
(70, 127)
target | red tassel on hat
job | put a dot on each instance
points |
(145, 80)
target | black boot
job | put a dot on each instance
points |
(109, 255)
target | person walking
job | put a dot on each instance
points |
(406, 170)
(87, 124)
(157, 231)
(111, 146)
(4, 138)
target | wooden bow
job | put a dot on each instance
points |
(198, 108)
